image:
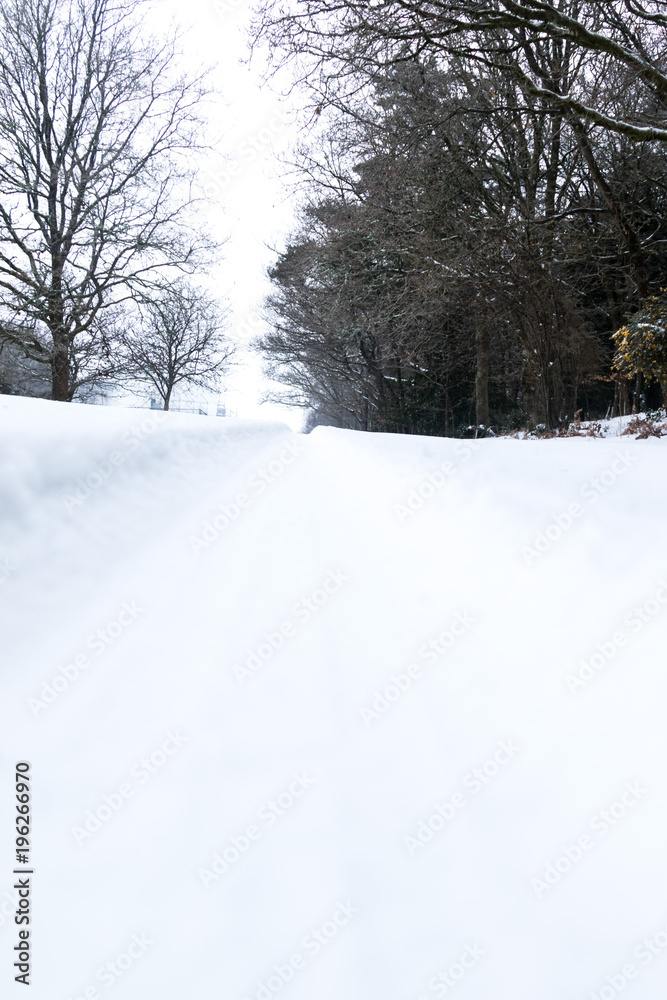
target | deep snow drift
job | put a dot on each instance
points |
(332, 717)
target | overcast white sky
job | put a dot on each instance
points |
(250, 203)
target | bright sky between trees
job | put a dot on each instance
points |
(247, 199)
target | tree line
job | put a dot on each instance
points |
(483, 235)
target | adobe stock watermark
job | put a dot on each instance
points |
(600, 825)
(225, 7)
(267, 815)
(447, 979)
(8, 905)
(249, 149)
(400, 683)
(302, 611)
(472, 782)
(591, 491)
(112, 971)
(645, 953)
(102, 471)
(605, 651)
(247, 327)
(258, 483)
(312, 943)
(141, 772)
(98, 643)
(7, 568)
(434, 481)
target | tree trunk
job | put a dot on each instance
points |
(60, 388)
(555, 119)
(482, 376)
(636, 395)
(167, 398)
(60, 370)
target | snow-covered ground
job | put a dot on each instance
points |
(332, 717)
(639, 425)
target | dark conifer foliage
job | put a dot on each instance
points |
(469, 244)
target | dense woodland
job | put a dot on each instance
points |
(485, 207)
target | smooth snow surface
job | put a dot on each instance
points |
(332, 717)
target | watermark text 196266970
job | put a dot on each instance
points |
(23, 872)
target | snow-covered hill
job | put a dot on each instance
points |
(332, 717)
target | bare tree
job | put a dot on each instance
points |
(95, 128)
(619, 43)
(180, 340)
(598, 67)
